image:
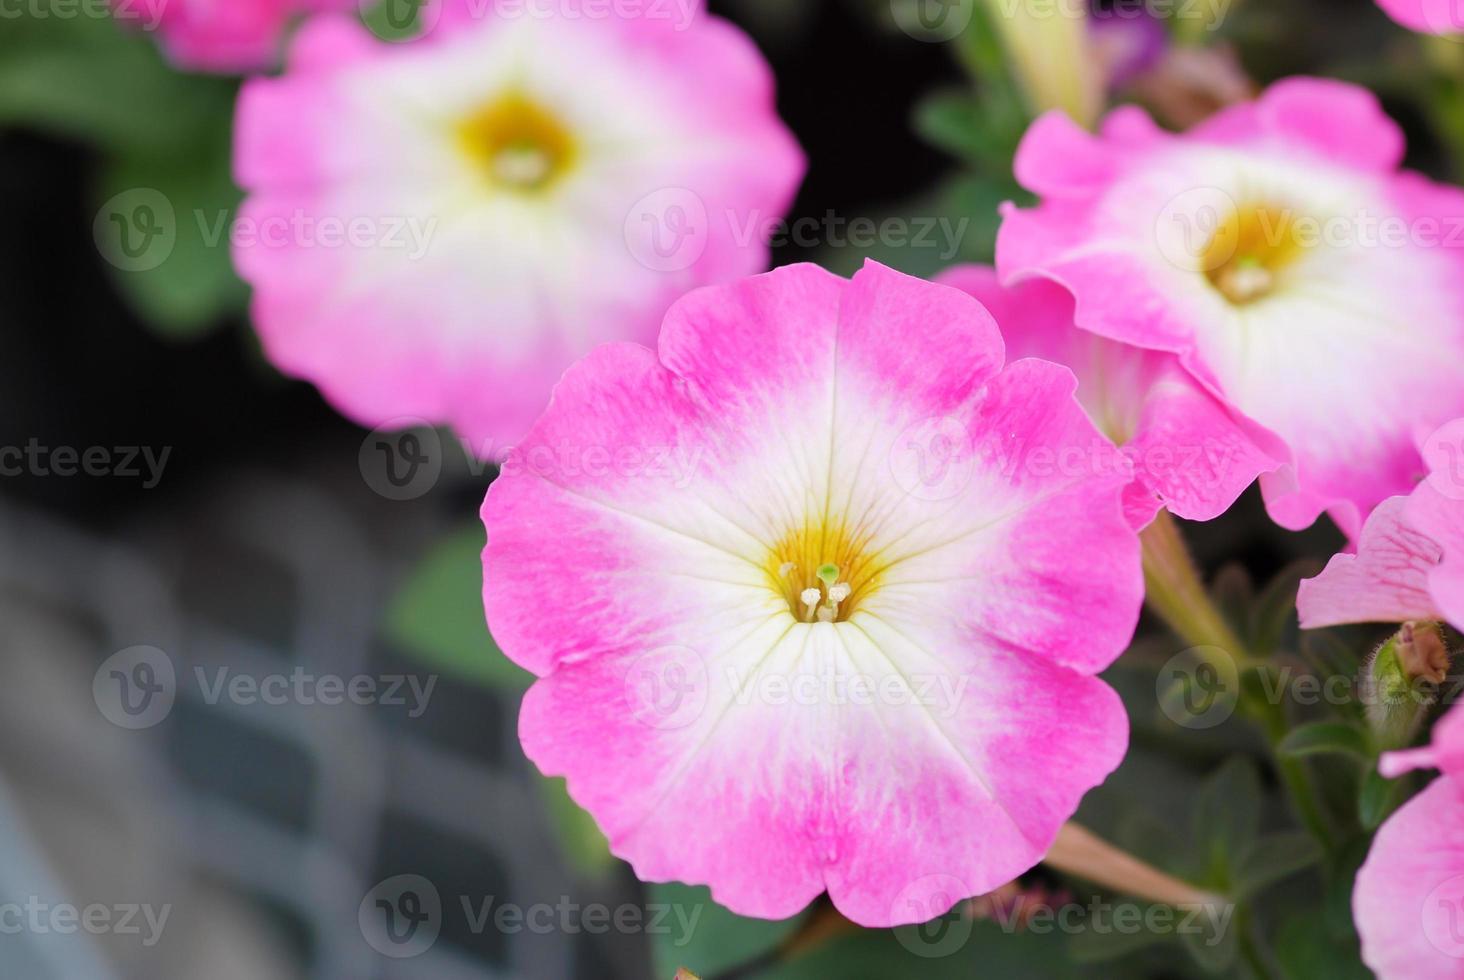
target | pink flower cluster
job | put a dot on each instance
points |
(849, 642)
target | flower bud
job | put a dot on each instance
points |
(1399, 681)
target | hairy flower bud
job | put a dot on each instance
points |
(1399, 681)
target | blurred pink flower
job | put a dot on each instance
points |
(1408, 901)
(1410, 556)
(501, 195)
(1190, 452)
(1279, 252)
(815, 595)
(224, 36)
(1431, 16)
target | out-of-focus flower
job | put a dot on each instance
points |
(1052, 54)
(1127, 42)
(1191, 84)
(815, 596)
(502, 194)
(225, 36)
(1431, 16)
(1279, 252)
(1190, 452)
(1409, 563)
(1409, 894)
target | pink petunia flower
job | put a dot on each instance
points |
(437, 229)
(815, 595)
(1279, 252)
(1408, 900)
(1430, 16)
(1409, 562)
(223, 36)
(1190, 452)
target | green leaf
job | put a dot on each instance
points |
(1101, 945)
(1307, 949)
(1378, 798)
(1227, 816)
(584, 845)
(185, 282)
(1274, 611)
(702, 936)
(1274, 857)
(1214, 951)
(1325, 737)
(95, 79)
(438, 616)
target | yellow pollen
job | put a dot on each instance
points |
(518, 144)
(823, 571)
(1249, 250)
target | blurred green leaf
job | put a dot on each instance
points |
(1274, 612)
(1227, 816)
(1214, 951)
(1108, 944)
(584, 845)
(1274, 857)
(96, 80)
(438, 616)
(1306, 949)
(194, 286)
(1378, 798)
(706, 938)
(1325, 736)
